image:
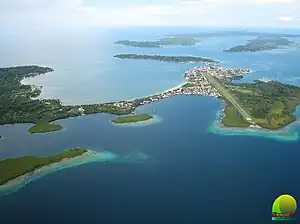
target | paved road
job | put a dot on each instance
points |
(224, 92)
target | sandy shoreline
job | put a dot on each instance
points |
(171, 89)
(287, 133)
(21, 181)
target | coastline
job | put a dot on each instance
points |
(153, 94)
(287, 133)
(21, 181)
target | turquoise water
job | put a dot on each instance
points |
(192, 173)
(33, 176)
(102, 78)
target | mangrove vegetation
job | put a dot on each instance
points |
(132, 119)
(15, 167)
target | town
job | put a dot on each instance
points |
(196, 84)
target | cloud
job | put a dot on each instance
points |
(286, 18)
(86, 13)
(289, 19)
(273, 1)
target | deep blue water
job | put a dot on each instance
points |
(193, 176)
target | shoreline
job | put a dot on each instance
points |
(162, 95)
(286, 133)
(17, 183)
(153, 94)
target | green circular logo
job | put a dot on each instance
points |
(285, 204)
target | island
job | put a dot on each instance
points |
(15, 167)
(183, 41)
(262, 44)
(264, 104)
(15, 173)
(132, 119)
(176, 59)
(43, 126)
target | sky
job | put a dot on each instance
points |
(38, 14)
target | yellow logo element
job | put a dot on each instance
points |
(284, 208)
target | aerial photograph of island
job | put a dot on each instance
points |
(139, 111)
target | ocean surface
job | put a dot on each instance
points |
(191, 176)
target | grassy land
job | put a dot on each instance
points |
(228, 96)
(132, 119)
(15, 167)
(233, 118)
(271, 104)
(43, 127)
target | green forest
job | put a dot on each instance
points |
(18, 103)
(132, 119)
(15, 167)
(271, 104)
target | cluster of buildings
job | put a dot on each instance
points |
(197, 84)
(221, 73)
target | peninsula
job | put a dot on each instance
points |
(18, 103)
(183, 41)
(176, 59)
(262, 44)
(15, 167)
(267, 104)
(132, 119)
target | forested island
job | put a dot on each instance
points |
(262, 44)
(132, 119)
(43, 126)
(176, 59)
(16, 167)
(183, 41)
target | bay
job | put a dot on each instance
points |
(192, 175)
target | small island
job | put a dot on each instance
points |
(183, 41)
(262, 44)
(44, 127)
(176, 59)
(16, 167)
(132, 119)
(16, 173)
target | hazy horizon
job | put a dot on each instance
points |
(33, 16)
